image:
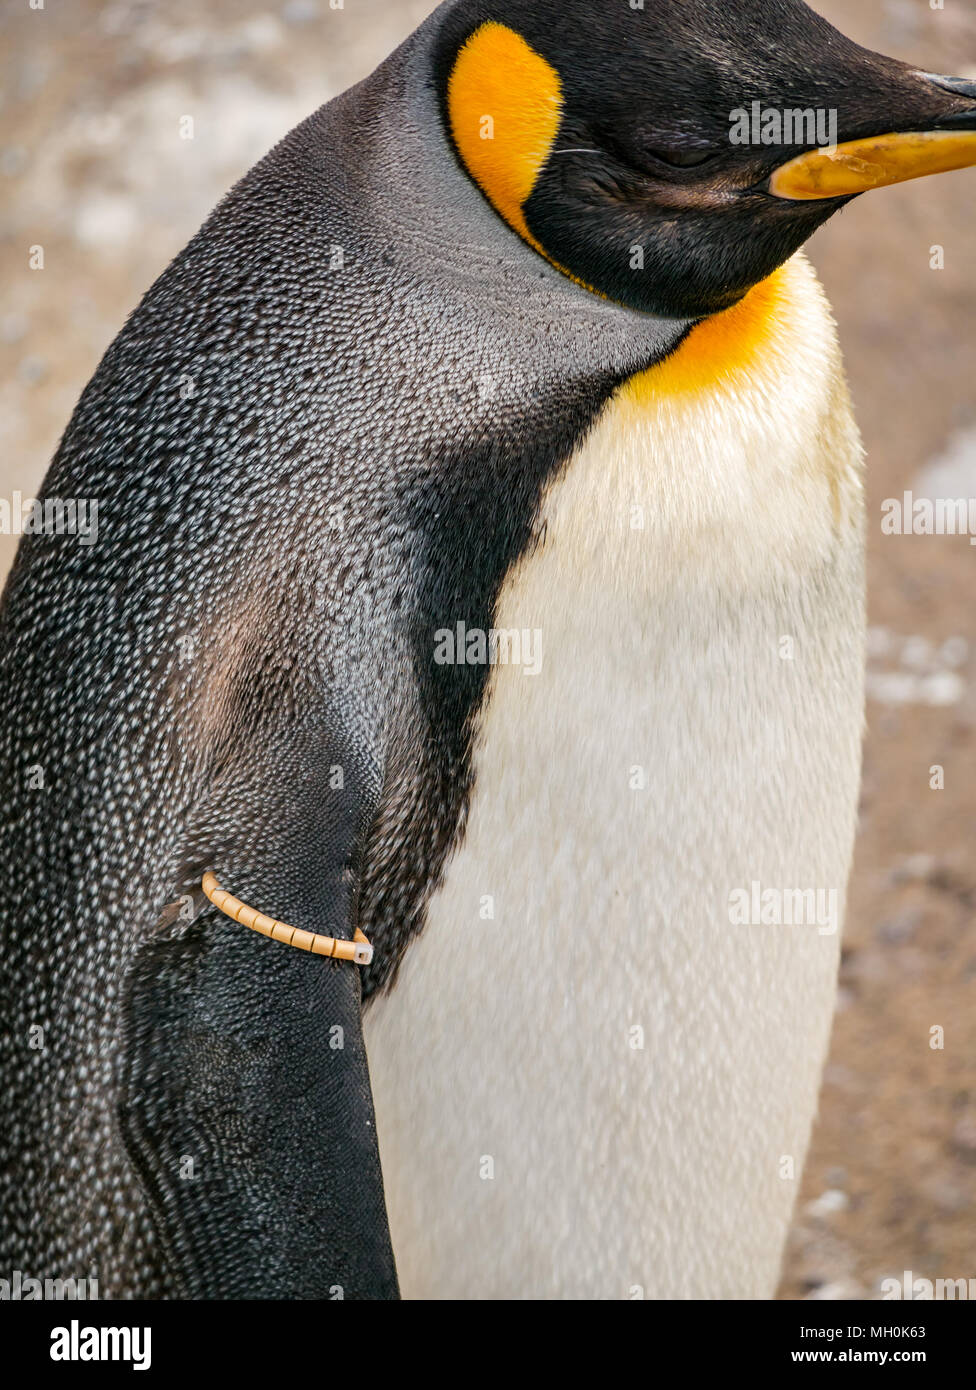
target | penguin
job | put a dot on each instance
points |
(480, 575)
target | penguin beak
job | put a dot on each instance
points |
(841, 171)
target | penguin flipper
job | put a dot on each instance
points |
(247, 1109)
(249, 1117)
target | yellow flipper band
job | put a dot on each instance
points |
(860, 165)
(358, 950)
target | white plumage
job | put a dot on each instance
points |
(673, 748)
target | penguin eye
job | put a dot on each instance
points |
(683, 159)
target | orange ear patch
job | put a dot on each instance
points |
(504, 103)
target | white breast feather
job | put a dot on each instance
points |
(667, 754)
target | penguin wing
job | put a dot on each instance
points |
(246, 1105)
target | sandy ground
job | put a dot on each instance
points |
(96, 169)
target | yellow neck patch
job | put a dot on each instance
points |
(717, 349)
(504, 102)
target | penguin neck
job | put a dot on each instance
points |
(720, 348)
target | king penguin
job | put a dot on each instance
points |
(479, 571)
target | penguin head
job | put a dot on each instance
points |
(670, 154)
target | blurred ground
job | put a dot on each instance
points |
(96, 169)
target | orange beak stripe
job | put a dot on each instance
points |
(859, 165)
